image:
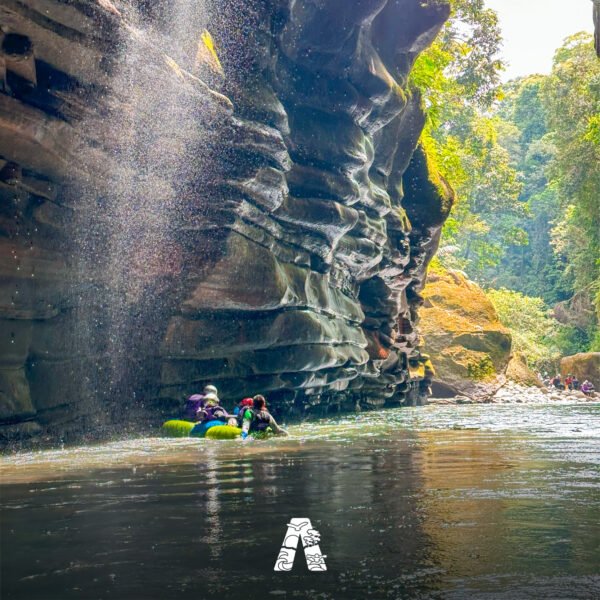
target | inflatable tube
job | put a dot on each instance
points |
(214, 430)
(223, 432)
(179, 428)
(201, 429)
(176, 428)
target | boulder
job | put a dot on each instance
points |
(519, 372)
(461, 330)
(585, 365)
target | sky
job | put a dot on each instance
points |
(534, 29)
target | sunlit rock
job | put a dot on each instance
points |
(460, 327)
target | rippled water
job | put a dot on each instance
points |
(491, 502)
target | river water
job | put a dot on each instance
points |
(490, 502)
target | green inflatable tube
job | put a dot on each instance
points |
(177, 429)
(181, 429)
(223, 432)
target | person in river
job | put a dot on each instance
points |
(195, 404)
(212, 409)
(259, 419)
(238, 411)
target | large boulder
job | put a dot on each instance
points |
(461, 330)
(585, 365)
(518, 371)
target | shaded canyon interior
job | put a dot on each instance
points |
(248, 207)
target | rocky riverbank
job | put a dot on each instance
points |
(515, 393)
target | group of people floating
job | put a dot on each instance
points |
(250, 415)
(572, 383)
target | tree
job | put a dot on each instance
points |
(459, 76)
(571, 96)
(524, 161)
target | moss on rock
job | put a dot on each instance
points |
(462, 332)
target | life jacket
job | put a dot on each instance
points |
(212, 413)
(261, 419)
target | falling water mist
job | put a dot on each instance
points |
(131, 253)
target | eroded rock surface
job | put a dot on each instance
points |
(268, 232)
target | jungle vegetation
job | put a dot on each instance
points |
(524, 160)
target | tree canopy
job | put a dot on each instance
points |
(524, 160)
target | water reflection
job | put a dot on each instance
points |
(408, 507)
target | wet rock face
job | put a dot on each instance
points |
(275, 242)
(317, 290)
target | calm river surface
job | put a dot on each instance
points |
(491, 502)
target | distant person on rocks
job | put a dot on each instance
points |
(569, 381)
(557, 382)
(259, 419)
(587, 387)
(575, 383)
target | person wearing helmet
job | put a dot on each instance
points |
(240, 409)
(212, 409)
(195, 404)
(259, 419)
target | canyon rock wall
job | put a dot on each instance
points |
(260, 218)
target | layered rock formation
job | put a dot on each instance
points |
(271, 236)
(461, 329)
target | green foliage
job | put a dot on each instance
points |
(534, 331)
(525, 164)
(481, 370)
(459, 77)
(572, 98)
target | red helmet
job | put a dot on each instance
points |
(247, 402)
